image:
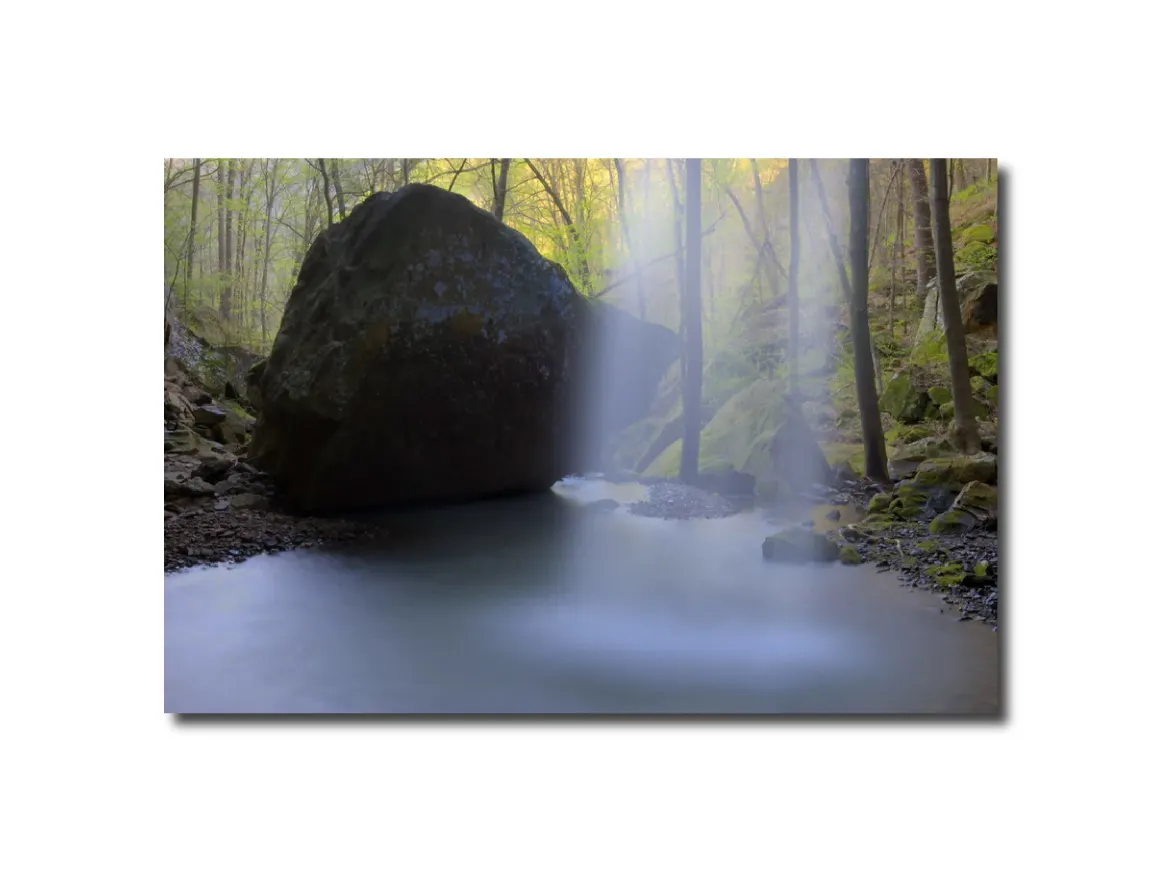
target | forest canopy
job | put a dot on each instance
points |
(237, 229)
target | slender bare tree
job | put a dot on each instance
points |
(792, 302)
(967, 431)
(921, 210)
(193, 226)
(691, 381)
(874, 449)
(500, 187)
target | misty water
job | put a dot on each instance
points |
(547, 604)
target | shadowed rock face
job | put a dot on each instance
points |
(427, 353)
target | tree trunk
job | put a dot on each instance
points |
(961, 173)
(896, 251)
(322, 167)
(874, 450)
(691, 382)
(967, 432)
(623, 217)
(921, 208)
(882, 208)
(679, 254)
(406, 172)
(193, 224)
(271, 191)
(225, 308)
(338, 188)
(500, 188)
(220, 196)
(792, 302)
(244, 218)
(832, 237)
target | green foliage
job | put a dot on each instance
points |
(947, 575)
(931, 349)
(975, 256)
(985, 365)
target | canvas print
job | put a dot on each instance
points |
(585, 436)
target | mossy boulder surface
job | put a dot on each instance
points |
(903, 401)
(956, 471)
(879, 503)
(939, 395)
(951, 522)
(799, 545)
(849, 556)
(979, 410)
(759, 434)
(639, 444)
(905, 459)
(977, 233)
(985, 365)
(979, 497)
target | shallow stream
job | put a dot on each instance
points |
(547, 604)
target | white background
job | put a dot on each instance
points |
(95, 774)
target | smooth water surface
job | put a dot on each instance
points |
(544, 605)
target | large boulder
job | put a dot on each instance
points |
(429, 353)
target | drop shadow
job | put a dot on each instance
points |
(508, 720)
(1003, 409)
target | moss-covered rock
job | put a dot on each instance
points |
(235, 425)
(185, 441)
(849, 556)
(977, 233)
(939, 395)
(979, 410)
(903, 401)
(956, 471)
(992, 395)
(641, 443)
(979, 497)
(902, 434)
(879, 503)
(905, 459)
(428, 353)
(905, 510)
(952, 522)
(759, 434)
(985, 365)
(872, 526)
(980, 385)
(947, 575)
(838, 454)
(799, 545)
